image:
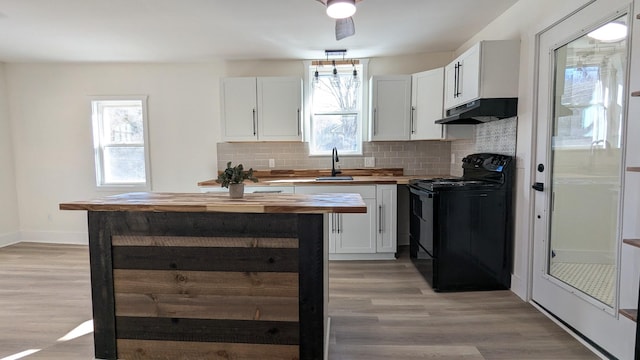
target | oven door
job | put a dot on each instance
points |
(422, 221)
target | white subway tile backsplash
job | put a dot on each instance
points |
(415, 157)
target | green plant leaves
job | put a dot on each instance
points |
(235, 175)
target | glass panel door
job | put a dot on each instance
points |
(586, 159)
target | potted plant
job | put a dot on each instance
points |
(233, 178)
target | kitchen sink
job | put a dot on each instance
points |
(334, 178)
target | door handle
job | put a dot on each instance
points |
(538, 186)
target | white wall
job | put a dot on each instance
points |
(8, 200)
(51, 120)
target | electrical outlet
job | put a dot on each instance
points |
(453, 158)
(369, 161)
(272, 163)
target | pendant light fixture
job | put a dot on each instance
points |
(335, 79)
(341, 9)
(356, 78)
(316, 79)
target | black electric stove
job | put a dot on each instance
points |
(461, 227)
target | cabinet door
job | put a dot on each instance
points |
(279, 108)
(354, 233)
(390, 107)
(387, 218)
(470, 75)
(426, 104)
(238, 109)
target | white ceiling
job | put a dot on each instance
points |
(205, 30)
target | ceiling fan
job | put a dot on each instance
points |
(341, 10)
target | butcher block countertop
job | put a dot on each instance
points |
(308, 177)
(220, 202)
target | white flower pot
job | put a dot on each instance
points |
(236, 191)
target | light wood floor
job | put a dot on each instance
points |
(379, 310)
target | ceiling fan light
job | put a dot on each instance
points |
(340, 9)
(610, 32)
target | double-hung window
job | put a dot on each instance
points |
(120, 142)
(336, 109)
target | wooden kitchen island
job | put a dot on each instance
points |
(203, 276)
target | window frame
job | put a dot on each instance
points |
(309, 70)
(98, 145)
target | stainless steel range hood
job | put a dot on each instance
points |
(481, 111)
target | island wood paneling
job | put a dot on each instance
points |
(196, 350)
(194, 283)
(188, 306)
(284, 243)
(233, 284)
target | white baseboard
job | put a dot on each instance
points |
(9, 239)
(327, 338)
(374, 256)
(519, 287)
(55, 237)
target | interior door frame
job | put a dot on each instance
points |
(538, 212)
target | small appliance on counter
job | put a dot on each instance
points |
(461, 235)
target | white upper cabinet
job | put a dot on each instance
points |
(261, 109)
(390, 107)
(238, 109)
(427, 93)
(489, 69)
(426, 104)
(279, 107)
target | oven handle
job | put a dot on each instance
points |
(420, 192)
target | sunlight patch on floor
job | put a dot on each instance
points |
(80, 330)
(20, 355)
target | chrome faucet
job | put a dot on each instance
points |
(334, 160)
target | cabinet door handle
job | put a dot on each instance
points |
(458, 93)
(455, 80)
(333, 223)
(338, 217)
(380, 219)
(298, 121)
(254, 121)
(413, 126)
(375, 122)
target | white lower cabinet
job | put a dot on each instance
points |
(370, 236)
(353, 233)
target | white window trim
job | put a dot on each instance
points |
(97, 147)
(307, 105)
